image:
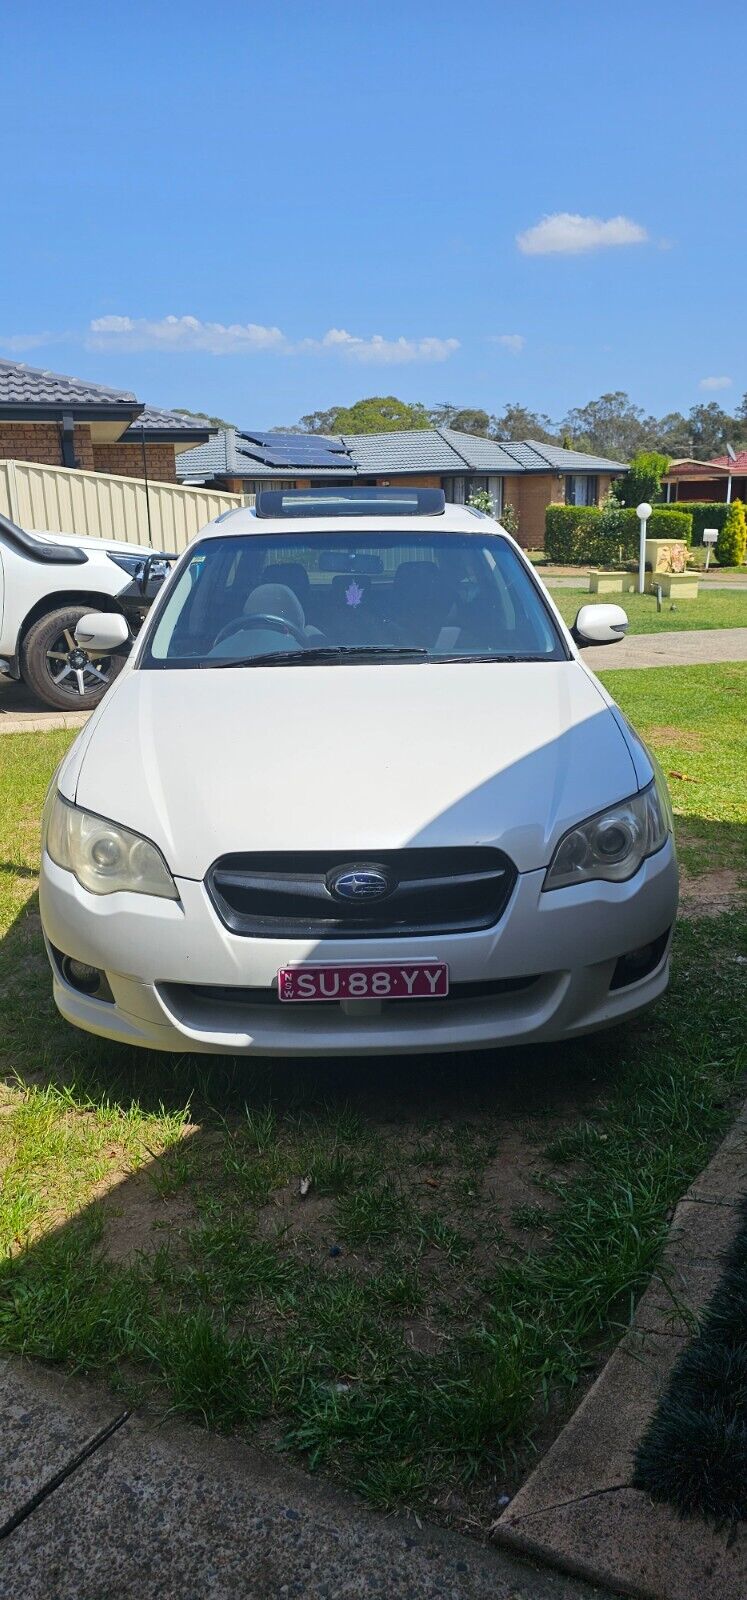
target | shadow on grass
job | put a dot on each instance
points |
(475, 1230)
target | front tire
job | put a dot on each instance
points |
(59, 671)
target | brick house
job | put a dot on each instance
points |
(66, 422)
(723, 478)
(528, 475)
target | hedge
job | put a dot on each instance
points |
(586, 535)
(716, 514)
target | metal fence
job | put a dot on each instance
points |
(105, 506)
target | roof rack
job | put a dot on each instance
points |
(353, 501)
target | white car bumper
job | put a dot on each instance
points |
(162, 957)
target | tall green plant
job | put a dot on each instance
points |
(642, 481)
(731, 546)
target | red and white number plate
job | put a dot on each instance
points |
(413, 980)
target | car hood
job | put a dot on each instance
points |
(90, 542)
(353, 758)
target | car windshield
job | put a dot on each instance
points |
(315, 598)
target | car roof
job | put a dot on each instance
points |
(453, 519)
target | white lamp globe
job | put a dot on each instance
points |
(643, 511)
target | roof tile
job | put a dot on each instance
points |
(23, 385)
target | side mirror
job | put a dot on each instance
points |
(103, 633)
(599, 625)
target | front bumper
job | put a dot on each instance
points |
(152, 950)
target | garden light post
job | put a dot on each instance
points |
(643, 512)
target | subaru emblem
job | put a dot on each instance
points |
(360, 883)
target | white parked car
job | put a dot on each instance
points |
(48, 581)
(354, 792)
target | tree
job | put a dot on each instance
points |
(710, 430)
(376, 414)
(517, 422)
(611, 426)
(319, 421)
(642, 481)
(202, 416)
(465, 419)
(673, 435)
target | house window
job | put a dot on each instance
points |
(460, 490)
(581, 489)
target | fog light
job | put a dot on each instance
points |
(639, 963)
(87, 980)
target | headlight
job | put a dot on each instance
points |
(134, 565)
(613, 844)
(103, 856)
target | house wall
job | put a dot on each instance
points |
(41, 441)
(702, 489)
(126, 460)
(533, 492)
(536, 491)
(411, 480)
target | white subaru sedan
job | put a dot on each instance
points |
(355, 791)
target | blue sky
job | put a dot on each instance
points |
(334, 198)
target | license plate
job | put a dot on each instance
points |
(413, 980)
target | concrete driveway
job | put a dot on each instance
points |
(21, 712)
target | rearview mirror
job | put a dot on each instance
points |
(599, 625)
(102, 632)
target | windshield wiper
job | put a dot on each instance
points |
(478, 659)
(320, 655)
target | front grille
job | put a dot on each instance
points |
(428, 891)
(214, 994)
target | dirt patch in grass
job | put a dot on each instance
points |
(709, 894)
(669, 733)
(137, 1220)
(304, 1222)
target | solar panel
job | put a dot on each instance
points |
(293, 449)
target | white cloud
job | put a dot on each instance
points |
(514, 342)
(251, 338)
(182, 333)
(567, 233)
(379, 351)
(715, 383)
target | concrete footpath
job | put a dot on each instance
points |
(21, 712)
(173, 1513)
(579, 1508)
(698, 647)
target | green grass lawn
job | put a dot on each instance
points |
(695, 718)
(403, 1272)
(720, 608)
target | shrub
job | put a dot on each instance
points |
(480, 500)
(509, 519)
(586, 536)
(642, 481)
(714, 514)
(731, 546)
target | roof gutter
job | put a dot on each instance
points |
(80, 413)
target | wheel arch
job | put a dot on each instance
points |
(66, 597)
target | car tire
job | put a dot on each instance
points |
(58, 671)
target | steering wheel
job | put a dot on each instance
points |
(261, 619)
